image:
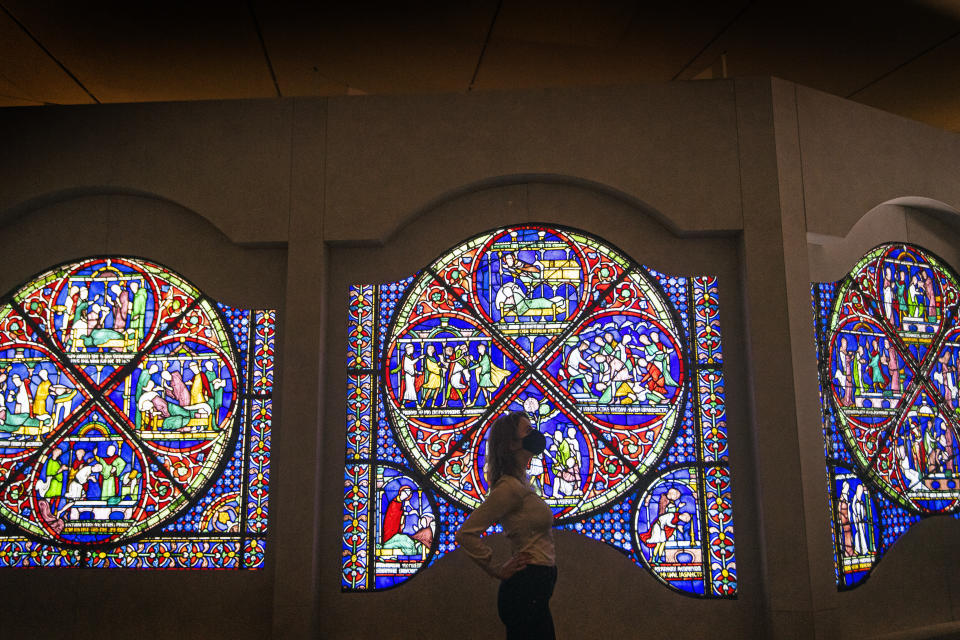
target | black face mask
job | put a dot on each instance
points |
(534, 442)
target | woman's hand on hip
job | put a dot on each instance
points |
(516, 563)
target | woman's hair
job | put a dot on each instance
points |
(501, 460)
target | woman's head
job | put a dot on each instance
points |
(504, 446)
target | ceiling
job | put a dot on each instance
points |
(896, 55)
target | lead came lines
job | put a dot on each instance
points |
(98, 399)
(603, 298)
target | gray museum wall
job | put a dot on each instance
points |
(62, 603)
(284, 203)
(597, 580)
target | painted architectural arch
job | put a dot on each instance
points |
(619, 366)
(134, 422)
(888, 342)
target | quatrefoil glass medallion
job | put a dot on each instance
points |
(893, 348)
(120, 383)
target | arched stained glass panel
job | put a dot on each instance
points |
(134, 422)
(619, 366)
(888, 339)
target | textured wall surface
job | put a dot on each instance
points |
(284, 203)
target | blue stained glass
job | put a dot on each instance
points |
(684, 448)
(896, 522)
(592, 346)
(22, 552)
(840, 452)
(387, 448)
(713, 414)
(707, 321)
(263, 351)
(360, 339)
(229, 483)
(360, 416)
(668, 530)
(403, 525)
(888, 348)
(258, 471)
(161, 451)
(388, 296)
(239, 322)
(451, 518)
(611, 526)
(677, 292)
(356, 526)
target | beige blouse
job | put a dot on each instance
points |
(527, 521)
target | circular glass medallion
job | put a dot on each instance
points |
(119, 383)
(550, 321)
(894, 347)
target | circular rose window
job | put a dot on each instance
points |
(549, 321)
(119, 392)
(894, 348)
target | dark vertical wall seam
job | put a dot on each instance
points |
(290, 168)
(803, 186)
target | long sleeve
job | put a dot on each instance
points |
(505, 496)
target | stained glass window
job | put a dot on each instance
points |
(618, 365)
(134, 422)
(888, 337)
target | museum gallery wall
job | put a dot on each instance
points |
(640, 286)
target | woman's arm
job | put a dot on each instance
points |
(502, 499)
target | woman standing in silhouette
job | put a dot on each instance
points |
(528, 577)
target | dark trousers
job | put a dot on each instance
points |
(523, 603)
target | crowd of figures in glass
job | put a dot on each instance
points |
(134, 421)
(620, 367)
(888, 338)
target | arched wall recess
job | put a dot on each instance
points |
(99, 221)
(619, 365)
(569, 183)
(923, 221)
(54, 198)
(887, 346)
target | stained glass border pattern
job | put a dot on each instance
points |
(699, 445)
